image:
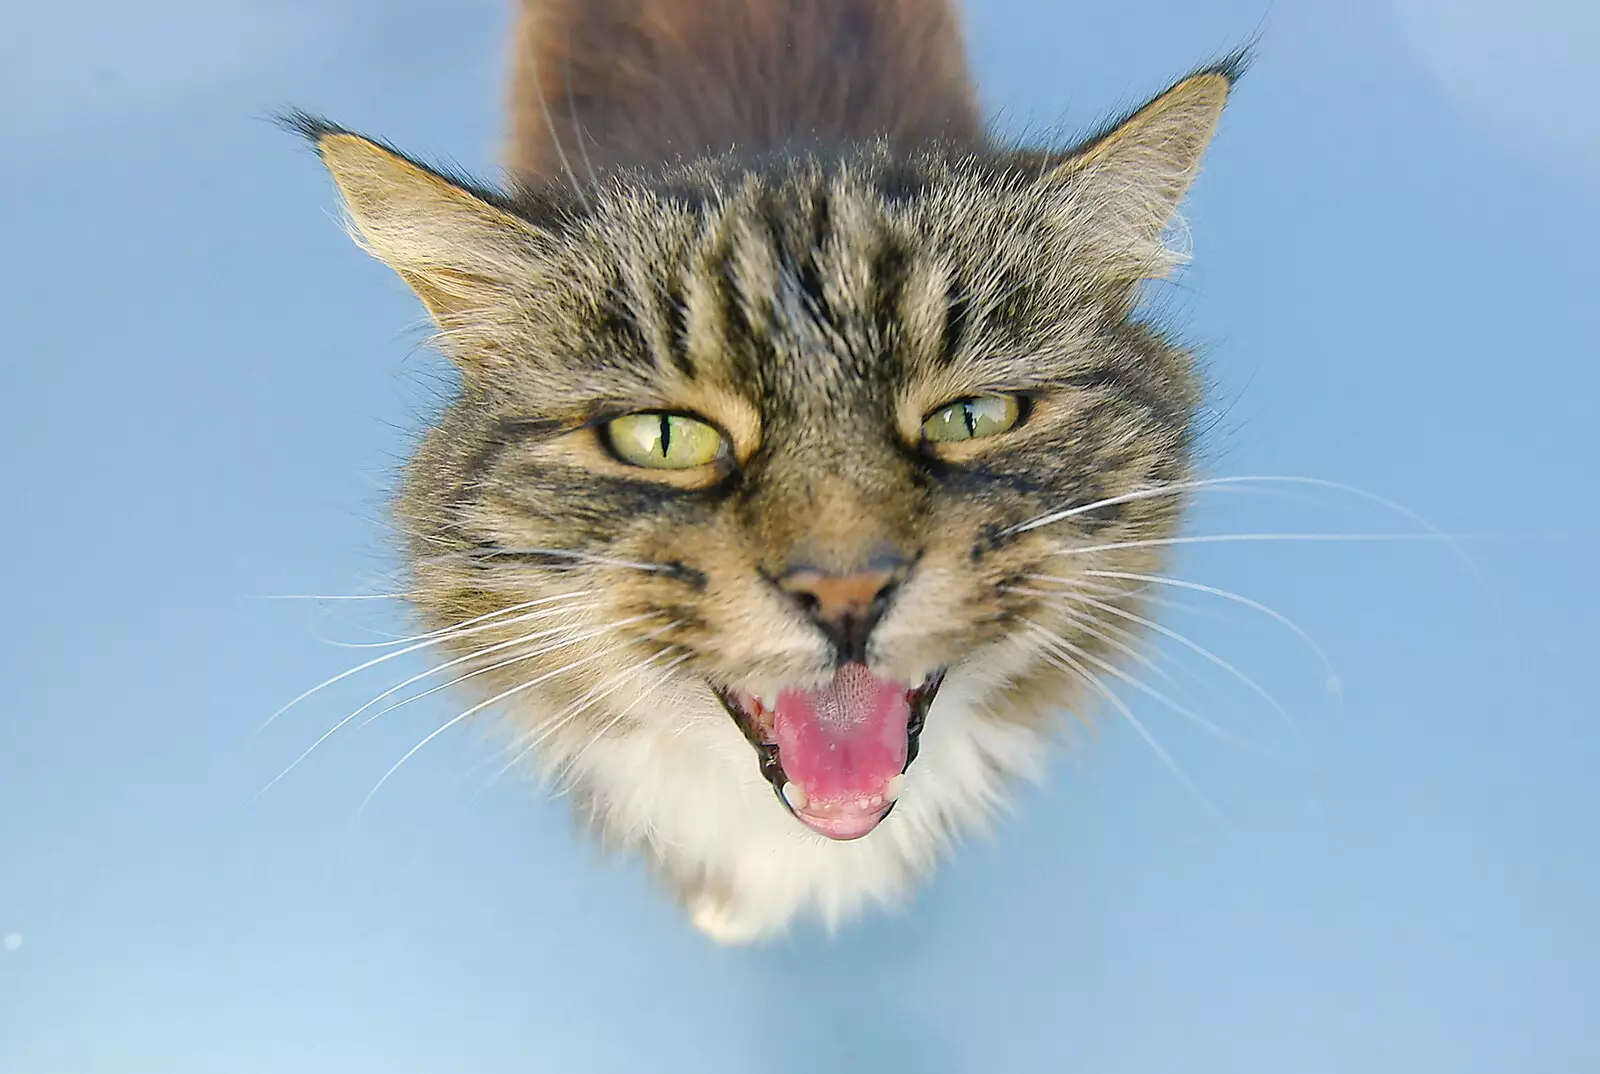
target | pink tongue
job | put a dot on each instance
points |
(844, 743)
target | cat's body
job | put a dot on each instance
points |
(794, 413)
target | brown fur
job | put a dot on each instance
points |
(609, 83)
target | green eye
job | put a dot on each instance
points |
(663, 441)
(971, 419)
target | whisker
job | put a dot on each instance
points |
(445, 632)
(1108, 590)
(480, 554)
(480, 706)
(1453, 542)
(479, 625)
(1200, 650)
(1222, 538)
(598, 735)
(330, 596)
(606, 628)
(1210, 483)
(476, 655)
(1174, 488)
(1144, 594)
(608, 686)
(572, 114)
(1061, 644)
(555, 137)
(388, 640)
(1073, 667)
(1087, 624)
(1333, 682)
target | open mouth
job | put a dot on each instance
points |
(837, 756)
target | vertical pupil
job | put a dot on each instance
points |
(666, 434)
(969, 419)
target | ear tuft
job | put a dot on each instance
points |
(308, 126)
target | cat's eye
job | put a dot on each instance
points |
(972, 418)
(662, 441)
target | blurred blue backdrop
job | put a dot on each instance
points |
(206, 389)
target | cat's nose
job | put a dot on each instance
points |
(845, 607)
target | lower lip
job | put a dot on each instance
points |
(842, 828)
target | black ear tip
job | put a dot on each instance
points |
(312, 128)
(1233, 65)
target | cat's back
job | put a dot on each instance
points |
(599, 84)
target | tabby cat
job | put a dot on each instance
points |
(804, 435)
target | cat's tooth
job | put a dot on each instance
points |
(768, 700)
(795, 795)
(896, 787)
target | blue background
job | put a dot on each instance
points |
(206, 389)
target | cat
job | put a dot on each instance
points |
(807, 436)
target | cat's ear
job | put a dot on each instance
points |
(1124, 185)
(463, 255)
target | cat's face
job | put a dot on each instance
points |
(788, 445)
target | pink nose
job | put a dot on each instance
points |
(845, 607)
(830, 597)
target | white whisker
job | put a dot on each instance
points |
(1087, 624)
(1108, 590)
(550, 126)
(555, 553)
(572, 115)
(427, 640)
(1213, 483)
(608, 686)
(1453, 542)
(1333, 683)
(480, 706)
(1223, 538)
(1072, 666)
(598, 735)
(1176, 488)
(446, 632)
(475, 655)
(1062, 645)
(605, 628)
(1198, 649)
(331, 596)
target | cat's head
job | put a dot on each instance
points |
(801, 435)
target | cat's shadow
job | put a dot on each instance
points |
(854, 1005)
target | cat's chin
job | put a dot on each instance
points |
(837, 755)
